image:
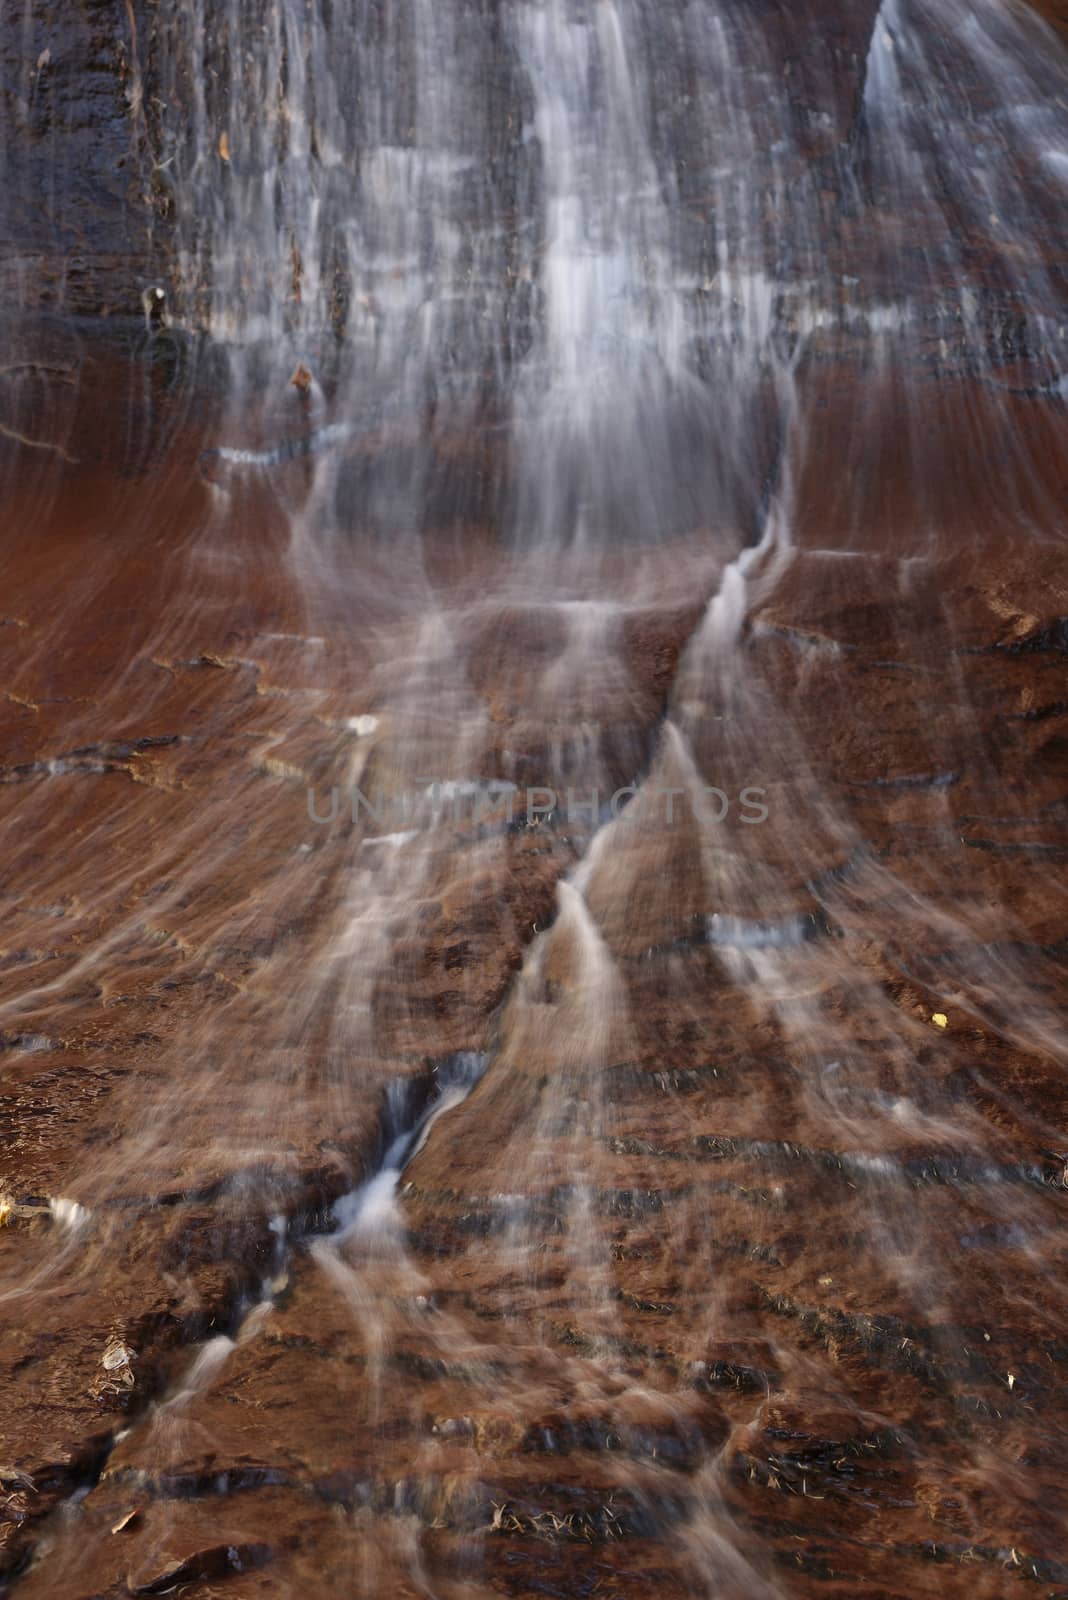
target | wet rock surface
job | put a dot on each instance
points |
(102, 102)
(81, 224)
(408, 1186)
(674, 1285)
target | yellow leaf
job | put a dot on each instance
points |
(940, 1019)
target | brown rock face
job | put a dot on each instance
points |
(1054, 11)
(532, 1062)
(735, 1262)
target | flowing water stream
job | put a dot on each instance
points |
(579, 964)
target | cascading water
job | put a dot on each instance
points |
(574, 611)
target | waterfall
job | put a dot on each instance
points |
(533, 672)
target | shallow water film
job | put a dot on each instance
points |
(534, 799)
